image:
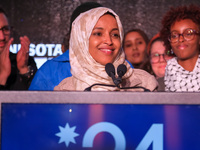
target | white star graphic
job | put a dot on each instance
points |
(67, 134)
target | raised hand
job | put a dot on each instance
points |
(5, 64)
(23, 54)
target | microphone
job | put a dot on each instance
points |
(121, 70)
(110, 70)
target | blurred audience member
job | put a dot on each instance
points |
(158, 57)
(135, 47)
(16, 70)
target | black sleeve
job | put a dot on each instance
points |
(25, 79)
(19, 81)
(3, 87)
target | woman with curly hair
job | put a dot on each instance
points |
(181, 34)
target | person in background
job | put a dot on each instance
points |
(135, 48)
(158, 56)
(16, 70)
(52, 72)
(181, 34)
(96, 40)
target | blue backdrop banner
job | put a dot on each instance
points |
(100, 126)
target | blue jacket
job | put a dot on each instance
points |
(51, 73)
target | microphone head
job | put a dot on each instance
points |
(121, 70)
(110, 69)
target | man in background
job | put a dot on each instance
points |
(16, 70)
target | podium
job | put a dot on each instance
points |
(58, 120)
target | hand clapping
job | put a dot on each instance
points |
(23, 54)
(22, 59)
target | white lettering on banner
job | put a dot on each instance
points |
(50, 47)
(14, 48)
(32, 50)
(154, 135)
(40, 50)
(120, 142)
(57, 50)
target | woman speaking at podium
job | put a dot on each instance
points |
(95, 41)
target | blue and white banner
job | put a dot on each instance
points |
(91, 126)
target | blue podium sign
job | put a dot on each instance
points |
(31, 126)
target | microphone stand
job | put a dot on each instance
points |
(133, 87)
(121, 70)
(136, 87)
(90, 87)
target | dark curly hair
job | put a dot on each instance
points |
(176, 14)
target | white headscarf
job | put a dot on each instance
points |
(85, 70)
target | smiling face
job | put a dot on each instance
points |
(159, 67)
(135, 47)
(185, 50)
(4, 38)
(104, 42)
